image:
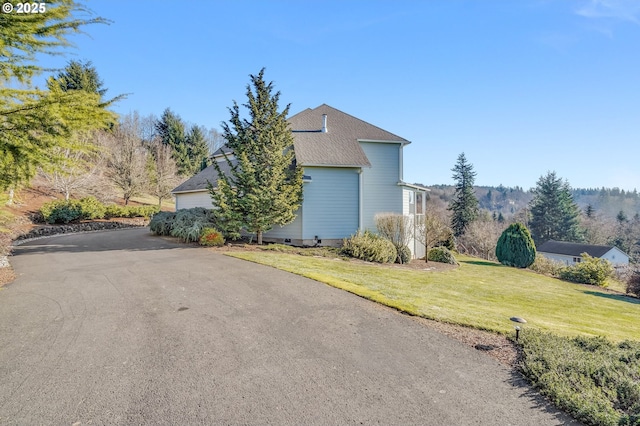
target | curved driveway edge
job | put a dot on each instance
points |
(123, 327)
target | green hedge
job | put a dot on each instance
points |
(88, 208)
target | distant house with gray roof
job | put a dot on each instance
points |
(352, 171)
(571, 253)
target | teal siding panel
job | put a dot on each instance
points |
(331, 203)
(380, 192)
(292, 230)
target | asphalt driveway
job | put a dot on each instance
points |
(122, 327)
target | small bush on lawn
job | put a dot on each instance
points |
(633, 283)
(596, 381)
(404, 255)
(442, 255)
(369, 247)
(515, 247)
(546, 266)
(591, 270)
(211, 237)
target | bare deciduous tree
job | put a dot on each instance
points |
(482, 236)
(79, 167)
(127, 157)
(431, 228)
(163, 173)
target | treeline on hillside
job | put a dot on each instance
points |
(477, 215)
(508, 200)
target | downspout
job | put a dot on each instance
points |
(360, 201)
(401, 163)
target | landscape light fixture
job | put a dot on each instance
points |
(520, 321)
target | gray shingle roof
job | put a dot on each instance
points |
(339, 145)
(573, 249)
(201, 180)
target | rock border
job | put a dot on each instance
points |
(77, 228)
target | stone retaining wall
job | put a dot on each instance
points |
(48, 230)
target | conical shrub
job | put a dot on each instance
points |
(515, 247)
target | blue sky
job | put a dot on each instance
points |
(522, 87)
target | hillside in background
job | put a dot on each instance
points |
(606, 202)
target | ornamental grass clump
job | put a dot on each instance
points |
(398, 229)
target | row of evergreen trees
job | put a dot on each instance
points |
(189, 146)
(552, 214)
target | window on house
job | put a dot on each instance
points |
(419, 201)
(577, 259)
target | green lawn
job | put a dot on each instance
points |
(168, 203)
(479, 294)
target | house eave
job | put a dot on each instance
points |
(419, 188)
(383, 141)
(349, 166)
(189, 191)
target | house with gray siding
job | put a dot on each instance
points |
(352, 171)
(571, 253)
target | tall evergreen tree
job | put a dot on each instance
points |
(171, 130)
(589, 211)
(464, 204)
(189, 148)
(554, 214)
(197, 149)
(33, 121)
(262, 189)
(83, 76)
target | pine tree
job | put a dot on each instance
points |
(464, 204)
(197, 149)
(171, 130)
(34, 121)
(78, 163)
(83, 76)
(589, 211)
(515, 247)
(554, 214)
(263, 189)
